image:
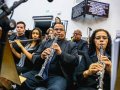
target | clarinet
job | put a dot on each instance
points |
(42, 74)
(101, 73)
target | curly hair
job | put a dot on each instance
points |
(92, 46)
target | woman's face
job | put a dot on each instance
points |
(57, 20)
(101, 38)
(51, 34)
(35, 34)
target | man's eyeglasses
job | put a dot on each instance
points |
(35, 33)
(76, 34)
(103, 37)
(61, 29)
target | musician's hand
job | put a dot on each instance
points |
(94, 68)
(57, 48)
(107, 62)
(18, 43)
(45, 53)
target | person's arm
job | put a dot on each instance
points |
(70, 54)
(82, 70)
(36, 57)
(85, 46)
(28, 54)
(18, 55)
(93, 69)
(86, 73)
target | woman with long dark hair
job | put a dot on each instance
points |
(25, 56)
(98, 64)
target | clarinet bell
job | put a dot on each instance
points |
(39, 77)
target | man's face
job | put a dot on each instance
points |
(20, 28)
(59, 31)
(76, 36)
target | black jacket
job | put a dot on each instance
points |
(82, 47)
(68, 59)
(91, 81)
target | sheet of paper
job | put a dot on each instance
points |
(22, 79)
(115, 53)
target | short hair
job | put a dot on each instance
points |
(78, 31)
(21, 22)
(60, 24)
(49, 29)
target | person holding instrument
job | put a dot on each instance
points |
(87, 77)
(20, 28)
(81, 44)
(49, 34)
(25, 63)
(60, 68)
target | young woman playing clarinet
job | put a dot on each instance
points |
(94, 72)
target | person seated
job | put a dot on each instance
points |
(57, 21)
(81, 44)
(20, 28)
(25, 57)
(95, 72)
(50, 34)
(58, 71)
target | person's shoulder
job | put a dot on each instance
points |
(25, 37)
(47, 43)
(70, 43)
(12, 37)
(83, 40)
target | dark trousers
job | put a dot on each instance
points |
(22, 70)
(86, 88)
(52, 83)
